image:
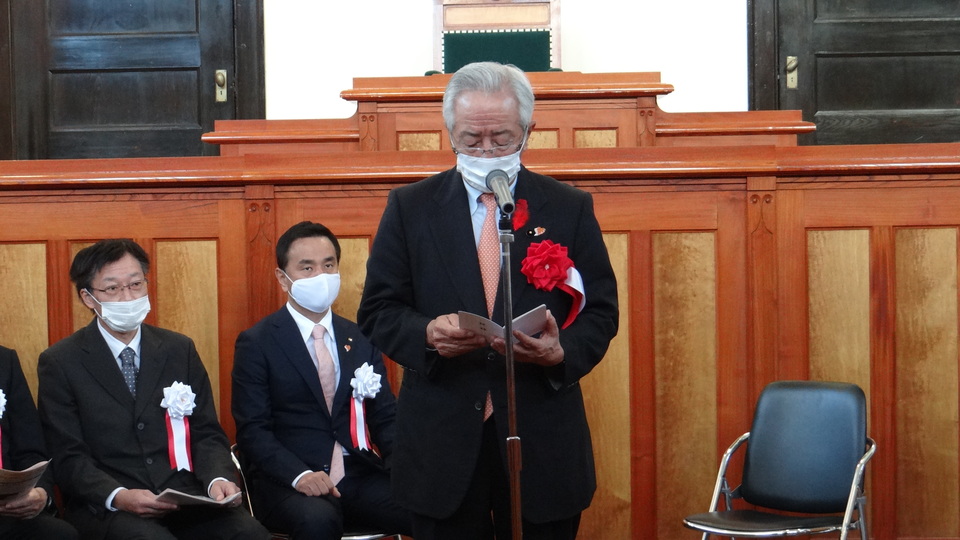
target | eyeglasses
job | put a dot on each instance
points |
(498, 150)
(114, 291)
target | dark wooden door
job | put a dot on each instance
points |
(115, 78)
(866, 71)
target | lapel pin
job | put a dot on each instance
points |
(536, 231)
(346, 348)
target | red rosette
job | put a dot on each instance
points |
(546, 265)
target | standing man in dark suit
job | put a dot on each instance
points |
(425, 266)
(112, 396)
(314, 466)
(30, 514)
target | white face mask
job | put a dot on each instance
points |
(126, 316)
(475, 169)
(315, 293)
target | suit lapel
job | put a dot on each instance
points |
(153, 359)
(347, 354)
(290, 342)
(450, 226)
(529, 190)
(100, 363)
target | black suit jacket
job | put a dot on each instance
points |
(22, 435)
(102, 439)
(424, 264)
(283, 425)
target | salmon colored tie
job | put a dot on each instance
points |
(328, 381)
(489, 254)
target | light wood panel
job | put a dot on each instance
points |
(684, 289)
(187, 298)
(606, 391)
(926, 408)
(353, 272)
(595, 138)
(839, 289)
(23, 304)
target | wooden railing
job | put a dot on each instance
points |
(573, 110)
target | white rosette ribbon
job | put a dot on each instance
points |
(179, 401)
(366, 384)
(3, 409)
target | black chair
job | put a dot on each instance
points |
(806, 453)
(347, 535)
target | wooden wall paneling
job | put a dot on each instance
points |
(926, 375)
(187, 299)
(685, 337)
(734, 403)
(762, 273)
(792, 323)
(544, 138)
(839, 289)
(595, 138)
(260, 244)
(61, 292)
(882, 416)
(606, 395)
(23, 304)
(234, 304)
(643, 402)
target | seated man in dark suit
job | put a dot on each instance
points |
(313, 408)
(29, 514)
(128, 411)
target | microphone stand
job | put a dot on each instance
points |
(513, 440)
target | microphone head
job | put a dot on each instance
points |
(496, 173)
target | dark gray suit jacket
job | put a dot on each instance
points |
(102, 439)
(424, 264)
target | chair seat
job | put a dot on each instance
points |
(756, 523)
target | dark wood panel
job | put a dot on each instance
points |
(120, 17)
(118, 98)
(124, 52)
(6, 84)
(101, 63)
(888, 81)
(890, 126)
(867, 37)
(123, 142)
(858, 9)
(920, 39)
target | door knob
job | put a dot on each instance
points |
(220, 80)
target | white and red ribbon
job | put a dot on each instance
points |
(366, 384)
(573, 286)
(178, 443)
(361, 437)
(179, 400)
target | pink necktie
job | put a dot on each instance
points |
(328, 381)
(488, 251)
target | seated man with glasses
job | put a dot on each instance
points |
(110, 396)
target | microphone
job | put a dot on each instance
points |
(499, 183)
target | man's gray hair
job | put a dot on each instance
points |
(490, 78)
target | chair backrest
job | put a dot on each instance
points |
(805, 441)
